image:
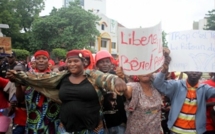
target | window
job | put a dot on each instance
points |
(113, 45)
(103, 27)
(104, 43)
(92, 44)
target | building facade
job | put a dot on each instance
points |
(200, 25)
(107, 40)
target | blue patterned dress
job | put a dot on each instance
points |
(42, 113)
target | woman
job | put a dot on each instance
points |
(42, 113)
(81, 97)
(89, 63)
(143, 105)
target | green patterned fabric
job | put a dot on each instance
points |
(46, 83)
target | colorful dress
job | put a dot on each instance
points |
(42, 113)
(144, 111)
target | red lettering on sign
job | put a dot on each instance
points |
(135, 64)
(143, 41)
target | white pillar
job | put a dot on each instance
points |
(1, 34)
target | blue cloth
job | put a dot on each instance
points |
(19, 130)
(116, 130)
(176, 91)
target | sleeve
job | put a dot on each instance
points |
(131, 105)
(102, 80)
(166, 87)
(3, 82)
(210, 92)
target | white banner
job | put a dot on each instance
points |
(140, 50)
(192, 50)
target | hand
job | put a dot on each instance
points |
(61, 68)
(10, 75)
(120, 85)
(13, 105)
(167, 60)
(119, 72)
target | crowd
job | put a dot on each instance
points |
(96, 97)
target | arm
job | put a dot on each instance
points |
(209, 91)
(20, 92)
(106, 81)
(167, 87)
(128, 93)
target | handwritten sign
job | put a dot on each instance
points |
(5, 42)
(140, 50)
(192, 50)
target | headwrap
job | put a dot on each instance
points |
(51, 62)
(87, 53)
(75, 53)
(41, 52)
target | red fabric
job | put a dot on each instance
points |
(3, 83)
(20, 116)
(87, 53)
(41, 52)
(77, 53)
(42, 97)
(51, 62)
(3, 101)
(209, 122)
(61, 63)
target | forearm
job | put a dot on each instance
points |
(20, 95)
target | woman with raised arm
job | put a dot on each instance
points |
(143, 104)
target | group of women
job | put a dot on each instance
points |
(94, 98)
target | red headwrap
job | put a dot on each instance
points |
(41, 52)
(75, 53)
(87, 53)
(51, 62)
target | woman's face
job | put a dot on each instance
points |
(41, 62)
(145, 78)
(50, 65)
(75, 65)
(87, 61)
(33, 64)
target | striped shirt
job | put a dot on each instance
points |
(185, 123)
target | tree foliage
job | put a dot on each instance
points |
(68, 28)
(59, 53)
(210, 20)
(21, 54)
(19, 15)
(164, 41)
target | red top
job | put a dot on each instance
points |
(209, 122)
(3, 101)
(20, 116)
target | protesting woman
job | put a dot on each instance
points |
(81, 97)
(42, 113)
(143, 105)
